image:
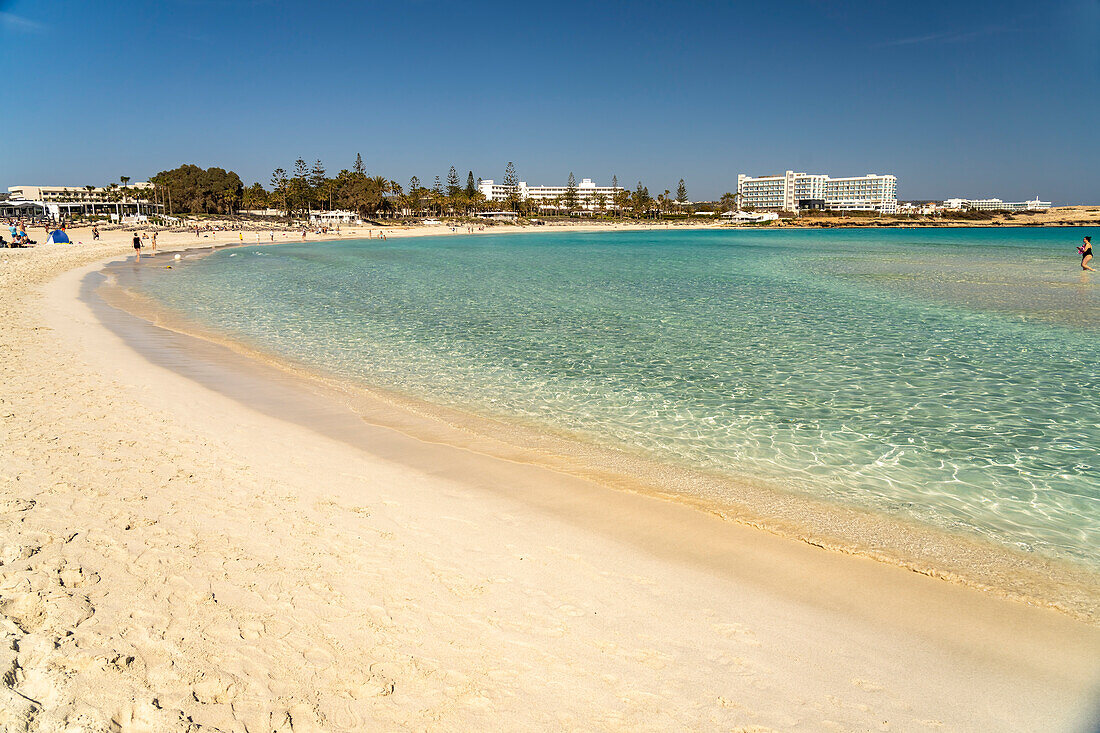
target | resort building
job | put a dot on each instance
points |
(924, 208)
(803, 191)
(58, 202)
(996, 205)
(587, 191)
(332, 218)
(749, 217)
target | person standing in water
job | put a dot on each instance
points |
(1086, 254)
(154, 242)
(137, 246)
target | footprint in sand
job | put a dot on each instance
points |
(14, 553)
(25, 610)
(736, 631)
(652, 658)
(75, 577)
(362, 685)
(251, 629)
(214, 688)
(136, 717)
(10, 505)
(16, 711)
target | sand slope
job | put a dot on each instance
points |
(171, 559)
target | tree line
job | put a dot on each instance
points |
(305, 188)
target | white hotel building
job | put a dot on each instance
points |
(794, 191)
(57, 202)
(586, 193)
(996, 205)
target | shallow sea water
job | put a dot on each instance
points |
(949, 376)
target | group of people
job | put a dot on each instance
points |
(139, 238)
(18, 231)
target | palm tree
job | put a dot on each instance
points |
(383, 185)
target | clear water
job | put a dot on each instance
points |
(951, 376)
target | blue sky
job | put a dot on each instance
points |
(955, 98)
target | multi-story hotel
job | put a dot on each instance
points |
(587, 191)
(57, 202)
(72, 194)
(795, 191)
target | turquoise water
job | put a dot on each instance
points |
(952, 376)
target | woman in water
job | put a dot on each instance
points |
(1086, 254)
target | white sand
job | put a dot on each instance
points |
(171, 557)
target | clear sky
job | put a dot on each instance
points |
(968, 99)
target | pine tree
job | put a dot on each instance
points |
(511, 185)
(317, 182)
(471, 189)
(359, 169)
(299, 186)
(570, 198)
(681, 193)
(437, 195)
(414, 194)
(452, 183)
(279, 187)
(641, 199)
(614, 181)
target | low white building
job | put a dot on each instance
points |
(803, 191)
(749, 217)
(588, 193)
(996, 205)
(924, 209)
(331, 218)
(497, 215)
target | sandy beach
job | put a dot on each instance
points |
(172, 558)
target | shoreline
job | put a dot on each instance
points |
(956, 557)
(255, 571)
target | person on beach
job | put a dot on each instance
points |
(137, 246)
(154, 242)
(95, 232)
(1086, 254)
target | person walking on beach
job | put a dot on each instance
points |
(154, 242)
(1086, 254)
(137, 246)
(95, 232)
